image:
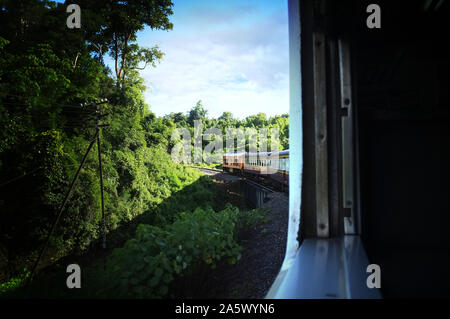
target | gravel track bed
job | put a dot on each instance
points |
(264, 249)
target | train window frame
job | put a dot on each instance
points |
(322, 265)
(295, 144)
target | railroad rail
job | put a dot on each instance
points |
(208, 169)
(247, 179)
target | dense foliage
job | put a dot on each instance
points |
(157, 261)
(227, 121)
(148, 263)
(46, 71)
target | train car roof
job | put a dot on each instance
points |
(234, 154)
(284, 152)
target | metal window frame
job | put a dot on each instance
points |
(321, 267)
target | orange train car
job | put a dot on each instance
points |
(273, 166)
(233, 162)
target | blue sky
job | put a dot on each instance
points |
(232, 55)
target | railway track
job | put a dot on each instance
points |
(255, 182)
(204, 169)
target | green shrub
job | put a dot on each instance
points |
(249, 219)
(14, 283)
(147, 264)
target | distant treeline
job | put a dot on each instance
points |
(209, 138)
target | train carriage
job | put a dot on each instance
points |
(256, 163)
(273, 166)
(233, 162)
(280, 167)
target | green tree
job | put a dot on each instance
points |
(114, 30)
(198, 112)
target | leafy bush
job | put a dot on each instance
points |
(210, 165)
(147, 264)
(249, 219)
(14, 283)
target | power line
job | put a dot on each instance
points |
(31, 96)
(29, 173)
(22, 176)
(55, 222)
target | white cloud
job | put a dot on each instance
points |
(242, 69)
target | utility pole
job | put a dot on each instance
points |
(98, 116)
